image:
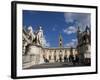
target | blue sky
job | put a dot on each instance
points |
(54, 23)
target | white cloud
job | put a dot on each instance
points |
(80, 19)
(72, 43)
(45, 43)
(70, 30)
(74, 40)
(68, 17)
(53, 29)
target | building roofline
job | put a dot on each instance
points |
(58, 48)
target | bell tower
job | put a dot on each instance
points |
(78, 33)
(60, 41)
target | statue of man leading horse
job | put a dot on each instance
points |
(35, 38)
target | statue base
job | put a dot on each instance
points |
(33, 57)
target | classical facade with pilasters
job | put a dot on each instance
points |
(58, 54)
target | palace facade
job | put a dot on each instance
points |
(84, 44)
(35, 53)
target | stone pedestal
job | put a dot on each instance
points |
(36, 51)
(33, 56)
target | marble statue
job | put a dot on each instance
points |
(39, 36)
(31, 34)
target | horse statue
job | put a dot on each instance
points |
(31, 35)
(36, 39)
(34, 44)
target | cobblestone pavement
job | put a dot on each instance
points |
(56, 65)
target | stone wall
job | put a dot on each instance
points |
(38, 55)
